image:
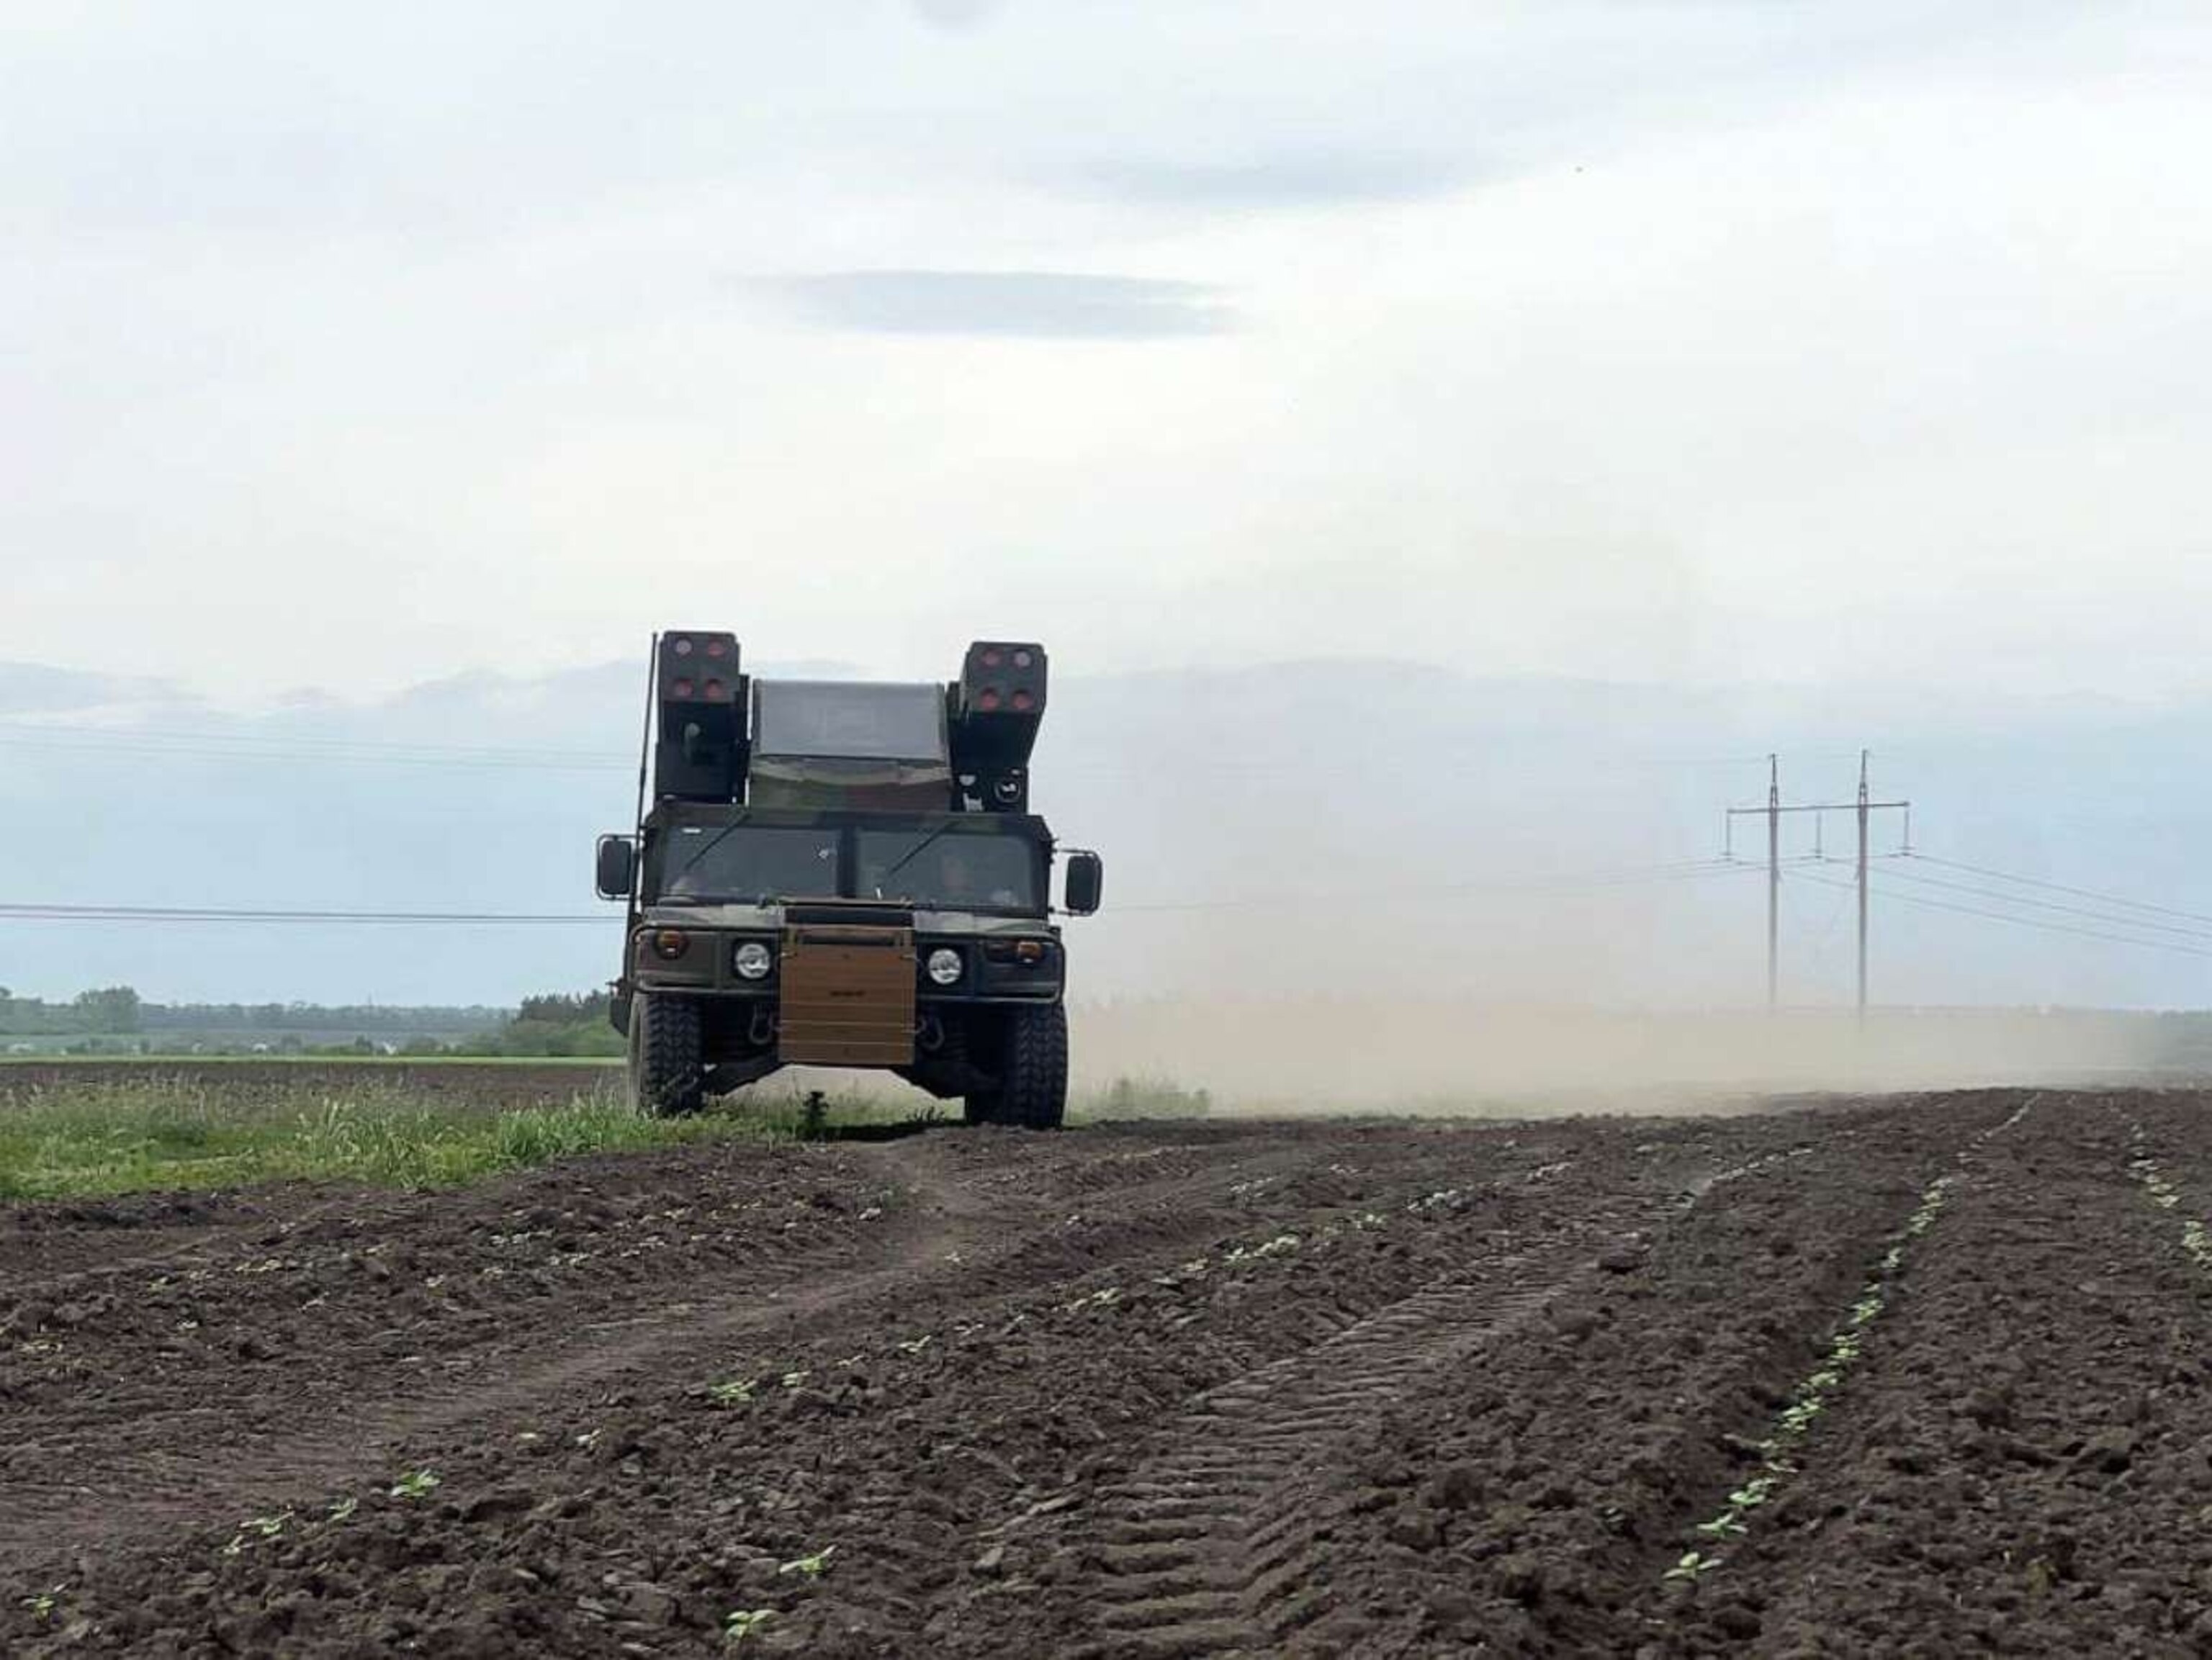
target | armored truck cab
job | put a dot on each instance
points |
(844, 873)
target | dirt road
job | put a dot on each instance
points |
(1909, 1373)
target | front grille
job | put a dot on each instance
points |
(846, 995)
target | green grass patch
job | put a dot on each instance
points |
(103, 1135)
(109, 1136)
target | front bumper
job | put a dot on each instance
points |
(992, 972)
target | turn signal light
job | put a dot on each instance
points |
(670, 943)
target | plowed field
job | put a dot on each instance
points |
(1925, 1375)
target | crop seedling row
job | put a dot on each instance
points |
(2163, 1193)
(1817, 1390)
(1813, 1394)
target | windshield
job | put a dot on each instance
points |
(957, 872)
(750, 862)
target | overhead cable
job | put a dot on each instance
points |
(2020, 922)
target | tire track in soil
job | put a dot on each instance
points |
(1193, 1564)
(1193, 1558)
(1586, 1558)
(198, 1461)
(910, 1537)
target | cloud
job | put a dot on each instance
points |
(955, 14)
(1027, 305)
(1284, 180)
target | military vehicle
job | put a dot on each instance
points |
(843, 874)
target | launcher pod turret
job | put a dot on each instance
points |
(844, 873)
(702, 697)
(997, 704)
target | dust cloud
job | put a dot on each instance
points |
(1322, 1055)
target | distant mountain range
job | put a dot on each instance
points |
(1330, 830)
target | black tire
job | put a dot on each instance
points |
(667, 1074)
(1032, 1056)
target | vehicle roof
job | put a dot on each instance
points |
(674, 811)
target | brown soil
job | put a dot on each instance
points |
(1255, 1389)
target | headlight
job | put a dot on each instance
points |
(944, 965)
(752, 960)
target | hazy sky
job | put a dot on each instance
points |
(352, 345)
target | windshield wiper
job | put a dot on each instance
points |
(712, 842)
(911, 855)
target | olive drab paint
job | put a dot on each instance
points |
(845, 872)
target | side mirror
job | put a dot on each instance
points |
(617, 867)
(1086, 882)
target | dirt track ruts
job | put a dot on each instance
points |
(1212, 1389)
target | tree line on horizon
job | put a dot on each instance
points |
(116, 1019)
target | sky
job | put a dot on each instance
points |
(1809, 374)
(1694, 343)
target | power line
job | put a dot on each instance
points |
(2053, 905)
(2023, 922)
(2062, 887)
(289, 741)
(491, 762)
(1597, 881)
(159, 913)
